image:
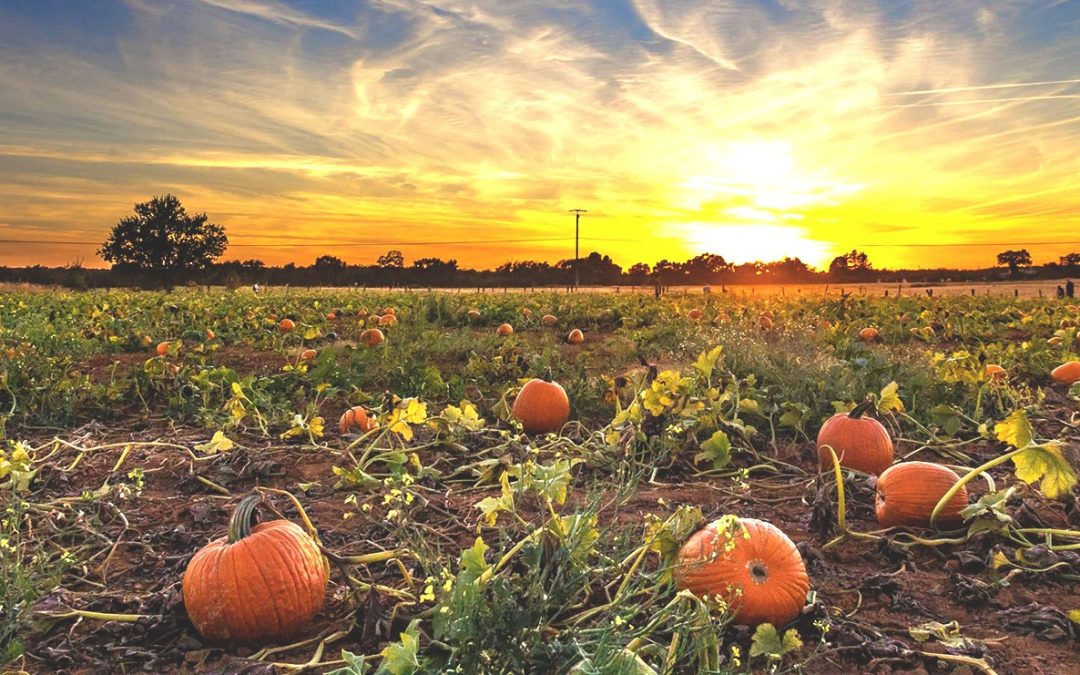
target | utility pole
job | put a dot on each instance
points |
(577, 243)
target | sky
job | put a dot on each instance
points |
(926, 133)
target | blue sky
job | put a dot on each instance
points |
(683, 125)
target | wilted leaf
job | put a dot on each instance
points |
(1046, 462)
(717, 450)
(1015, 430)
(219, 443)
(767, 641)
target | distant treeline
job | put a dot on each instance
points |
(593, 270)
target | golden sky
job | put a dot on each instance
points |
(754, 130)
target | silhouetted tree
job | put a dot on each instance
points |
(391, 259)
(638, 273)
(1014, 260)
(163, 240)
(329, 262)
(1070, 260)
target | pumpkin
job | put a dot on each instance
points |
(908, 492)
(766, 323)
(257, 584)
(372, 337)
(549, 320)
(308, 355)
(286, 325)
(527, 313)
(576, 337)
(860, 443)
(752, 565)
(389, 310)
(541, 407)
(162, 348)
(504, 330)
(210, 334)
(996, 372)
(869, 334)
(695, 314)
(330, 316)
(355, 417)
(361, 313)
(387, 320)
(1067, 373)
(474, 314)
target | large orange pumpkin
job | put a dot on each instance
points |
(286, 325)
(752, 565)
(576, 337)
(387, 320)
(504, 330)
(372, 337)
(257, 584)
(1067, 373)
(695, 314)
(308, 355)
(869, 334)
(541, 407)
(389, 310)
(549, 320)
(861, 443)
(908, 492)
(765, 322)
(474, 314)
(356, 417)
(163, 348)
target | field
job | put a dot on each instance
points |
(132, 423)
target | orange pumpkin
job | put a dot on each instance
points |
(765, 322)
(257, 584)
(541, 407)
(389, 310)
(996, 372)
(330, 316)
(286, 325)
(308, 355)
(210, 334)
(549, 320)
(356, 417)
(576, 337)
(504, 330)
(163, 348)
(695, 314)
(908, 492)
(752, 565)
(527, 313)
(387, 320)
(372, 337)
(1067, 373)
(860, 443)
(869, 334)
(474, 314)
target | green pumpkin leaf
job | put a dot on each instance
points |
(717, 450)
(767, 642)
(400, 658)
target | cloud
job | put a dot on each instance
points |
(455, 117)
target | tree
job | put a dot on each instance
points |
(1070, 260)
(391, 259)
(1015, 260)
(853, 261)
(329, 262)
(164, 240)
(638, 273)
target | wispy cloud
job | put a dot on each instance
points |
(458, 120)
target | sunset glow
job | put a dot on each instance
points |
(753, 130)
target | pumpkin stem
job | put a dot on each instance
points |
(242, 516)
(548, 375)
(862, 408)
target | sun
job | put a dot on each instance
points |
(749, 200)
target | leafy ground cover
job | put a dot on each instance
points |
(459, 544)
